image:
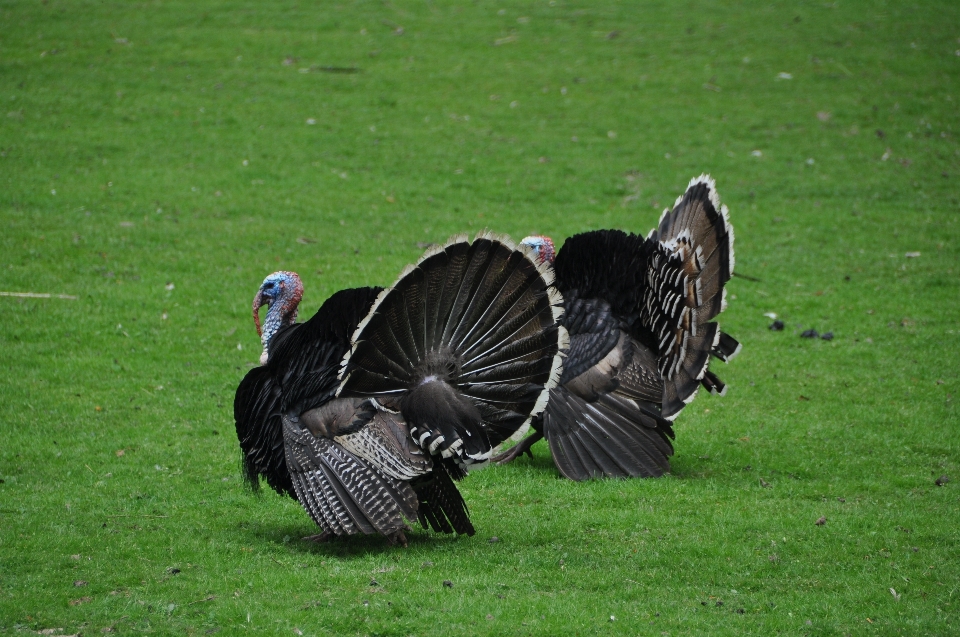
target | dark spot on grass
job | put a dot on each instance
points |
(777, 326)
(447, 583)
(811, 333)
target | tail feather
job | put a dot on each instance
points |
(503, 292)
(465, 305)
(440, 504)
(713, 384)
(515, 320)
(692, 259)
(506, 372)
(479, 319)
(707, 219)
(727, 347)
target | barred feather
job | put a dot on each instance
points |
(691, 260)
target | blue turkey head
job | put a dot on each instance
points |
(281, 293)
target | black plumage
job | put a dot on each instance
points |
(639, 315)
(365, 412)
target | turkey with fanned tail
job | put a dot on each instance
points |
(639, 313)
(367, 412)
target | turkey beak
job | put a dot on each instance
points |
(258, 302)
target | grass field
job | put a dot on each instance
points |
(158, 159)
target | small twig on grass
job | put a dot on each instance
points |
(844, 69)
(208, 598)
(748, 278)
(40, 295)
(91, 470)
(334, 69)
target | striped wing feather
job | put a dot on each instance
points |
(342, 493)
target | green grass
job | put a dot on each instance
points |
(176, 141)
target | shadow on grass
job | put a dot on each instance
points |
(290, 537)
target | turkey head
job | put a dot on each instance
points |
(281, 293)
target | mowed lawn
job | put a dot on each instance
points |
(158, 159)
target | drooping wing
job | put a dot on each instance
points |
(385, 442)
(343, 494)
(610, 437)
(605, 419)
(640, 379)
(256, 410)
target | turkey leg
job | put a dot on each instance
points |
(517, 450)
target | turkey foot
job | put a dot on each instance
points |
(320, 538)
(397, 537)
(517, 450)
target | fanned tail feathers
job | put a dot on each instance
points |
(467, 340)
(692, 258)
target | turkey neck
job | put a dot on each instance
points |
(283, 312)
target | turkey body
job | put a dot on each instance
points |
(367, 412)
(639, 316)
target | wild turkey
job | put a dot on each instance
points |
(638, 312)
(367, 412)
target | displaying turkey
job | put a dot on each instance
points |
(367, 412)
(639, 315)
